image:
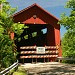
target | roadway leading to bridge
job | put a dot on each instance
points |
(49, 68)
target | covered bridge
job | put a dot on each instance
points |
(41, 41)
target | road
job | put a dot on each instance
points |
(49, 68)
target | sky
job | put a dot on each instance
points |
(55, 7)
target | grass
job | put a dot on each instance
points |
(20, 71)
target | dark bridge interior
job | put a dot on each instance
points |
(34, 35)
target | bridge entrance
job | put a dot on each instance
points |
(36, 35)
(43, 31)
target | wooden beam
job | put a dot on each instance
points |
(39, 56)
(34, 52)
(34, 47)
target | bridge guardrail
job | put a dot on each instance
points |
(64, 58)
(4, 72)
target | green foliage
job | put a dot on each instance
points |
(1, 29)
(26, 37)
(7, 46)
(6, 51)
(18, 28)
(2, 1)
(34, 34)
(71, 4)
(68, 41)
(20, 71)
(68, 44)
(69, 21)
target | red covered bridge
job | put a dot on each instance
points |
(41, 41)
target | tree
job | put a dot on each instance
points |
(68, 41)
(7, 26)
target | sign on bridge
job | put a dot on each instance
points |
(40, 50)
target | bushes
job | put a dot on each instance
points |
(7, 56)
(7, 26)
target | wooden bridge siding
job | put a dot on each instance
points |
(57, 40)
(50, 35)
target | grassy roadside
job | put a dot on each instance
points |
(20, 71)
(17, 71)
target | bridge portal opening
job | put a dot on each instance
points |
(34, 35)
(37, 34)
